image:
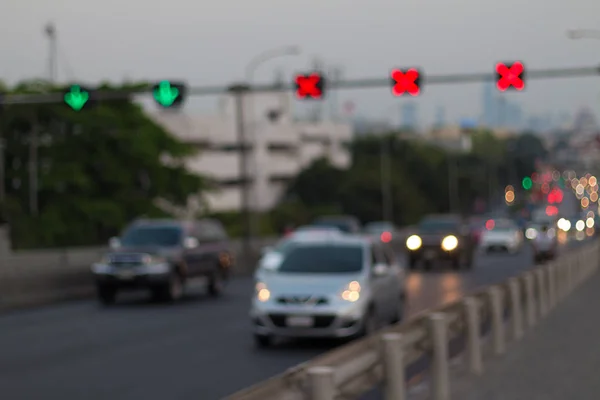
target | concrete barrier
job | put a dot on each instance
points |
(35, 277)
(426, 344)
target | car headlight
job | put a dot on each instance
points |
(450, 243)
(530, 233)
(262, 293)
(413, 242)
(351, 292)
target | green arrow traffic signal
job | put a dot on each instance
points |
(167, 94)
(76, 97)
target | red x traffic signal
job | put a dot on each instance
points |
(510, 76)
(310, 86)
(406, 82)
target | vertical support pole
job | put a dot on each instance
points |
(322, 385)
(474, 357)
(239, 91)
(516, 308)
(495, 297)
(440, 379)
(393, 367)
(531, 320)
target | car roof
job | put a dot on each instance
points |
(443, 217)
(331, 238)
(163, 222)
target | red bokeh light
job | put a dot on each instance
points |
(386, 237)
(551, 211)
(489, 224)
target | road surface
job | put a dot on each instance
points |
(201, 348)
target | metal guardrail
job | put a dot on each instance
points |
(428, 341)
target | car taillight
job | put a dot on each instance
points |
(386, 237)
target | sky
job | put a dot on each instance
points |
(208, 42)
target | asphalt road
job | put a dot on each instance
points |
(201, 348)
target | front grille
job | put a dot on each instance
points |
(126, 259)
(319, 321)
(302, 300)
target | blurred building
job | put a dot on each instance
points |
(453, 138)
(279, 147)
(409, 117)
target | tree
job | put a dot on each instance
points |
(98, 169)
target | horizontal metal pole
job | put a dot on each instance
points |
(48, 98)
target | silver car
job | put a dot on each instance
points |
(326, 285)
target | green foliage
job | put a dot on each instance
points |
(419, 180)
(98, 169)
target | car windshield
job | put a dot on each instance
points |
(433, 226)
(341, 225)
(378, 227)
(322, 259)
(165, 236)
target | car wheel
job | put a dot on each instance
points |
(216, 283)
(412, 263)
(173, 290)
(399, 315)
(428, 265)
(262, 341)
(107, 295)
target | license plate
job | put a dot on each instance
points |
(430, 254)
(125, 274)
(299, 321)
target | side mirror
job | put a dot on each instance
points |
(190, 243)
(114, 243)
(265, 250)
(380, 269)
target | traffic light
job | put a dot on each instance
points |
(510, 76)
(169, 94)
(406, 82)
(77, 97)
(527, 183)
(310, 86)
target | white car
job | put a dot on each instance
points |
(501, 235)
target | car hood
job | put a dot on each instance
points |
(152, 250)
(305, 284)
(434, 238)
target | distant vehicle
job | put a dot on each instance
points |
(441, 237)
(344, 286)
(545, 244)
(477, 226)
(501, 235)
(161, 255)
(383, 231)
(345, 223)
(316, 228)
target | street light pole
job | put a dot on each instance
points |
(248, 102)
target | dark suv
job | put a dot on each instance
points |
(162, 255)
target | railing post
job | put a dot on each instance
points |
(514, 288)
(473, 323)
(528, 279)
(393, 366)
(322, 386)
(551, 275)
(495, 296)
(539, 275)
(440, 380)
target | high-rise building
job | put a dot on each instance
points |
(409, 115)
(490, 109)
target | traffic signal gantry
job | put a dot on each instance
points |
(169, 94)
